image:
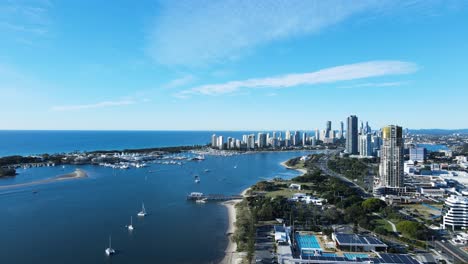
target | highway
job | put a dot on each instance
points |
(323, 165)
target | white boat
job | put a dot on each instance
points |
(130, 226)
(201, 201)
(235, 166)
(143, 210)
(110, 250)
(197, 179)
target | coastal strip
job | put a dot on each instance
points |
(231, 255)
(303, 171)
(78, 173)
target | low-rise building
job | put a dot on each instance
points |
(432, 192)
(353, 242)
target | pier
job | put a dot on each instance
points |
(212, 197)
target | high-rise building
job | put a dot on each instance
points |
(245, 138)
(262, 141)
(229, 143)
(312, 141)
(304, 139)
(251, 141)
(220, 143)
(417, 154)
(352, 135)
(376, 143)
(368, 128)
(297, 138)
(365, 146)
(317, 134)
(288, 135)
(274, 142)
(455, 213)
(341, 135)
(238, 143)
(328, 129)
(392, 157)
(214, 141)
(322, 134)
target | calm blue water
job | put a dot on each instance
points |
(433, 147)
(38, 142)
(70, 221)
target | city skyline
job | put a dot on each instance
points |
(161, 65)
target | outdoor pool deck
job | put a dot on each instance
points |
(308, 244)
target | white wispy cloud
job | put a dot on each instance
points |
(93, 106)
(375, 84)
(184, 80)
(329, 75)
(187, 32)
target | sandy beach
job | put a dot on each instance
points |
(232, 256)
(73, 175)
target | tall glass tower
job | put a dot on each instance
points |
(391, 157)
(352, 135)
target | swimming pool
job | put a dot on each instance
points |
(353, 256)
(307, 242)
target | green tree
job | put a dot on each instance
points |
(412, 229)
(373, 205)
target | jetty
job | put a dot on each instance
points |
(194, 196)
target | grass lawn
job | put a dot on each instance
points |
(424, 211)
(383, 223)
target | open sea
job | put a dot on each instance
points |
(70, 221)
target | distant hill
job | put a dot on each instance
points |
(436, 131)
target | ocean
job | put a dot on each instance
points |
(71, 221)
(30, 142)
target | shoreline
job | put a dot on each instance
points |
(231, 256)
(77, 174)
(303, 171)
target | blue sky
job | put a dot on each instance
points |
(232, 65)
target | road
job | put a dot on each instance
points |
(451, 250)
(323, 164)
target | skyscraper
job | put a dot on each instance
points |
(365, 146)
(288, 135)
(352, 135)
(297, 138)
(214, 141)
(251, 141)
(391, 157)
(262, 142)
(220, 143)
(317, 134)
(328, 129)
(341, 135)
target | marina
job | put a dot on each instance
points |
(103, 203)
